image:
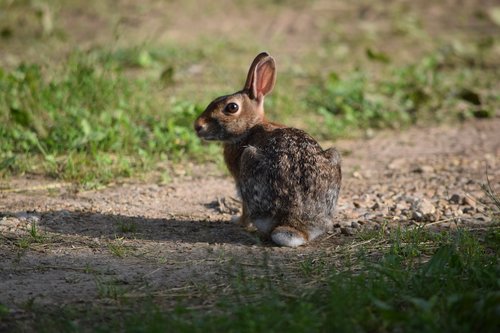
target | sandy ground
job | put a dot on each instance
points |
(136, 239)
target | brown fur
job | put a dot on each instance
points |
(288, 183)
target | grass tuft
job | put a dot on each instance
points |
(33, 237)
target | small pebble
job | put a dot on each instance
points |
(455, 199)
(347, 231)
(423, 169)
(468, 210)
(425, 207)
(468, 201)
(417, 216)
(357, 175)
(480, 217)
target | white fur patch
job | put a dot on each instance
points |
(315, 232)
(264, 225)
(284, 238)
(235, 219)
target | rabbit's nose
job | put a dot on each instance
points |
(198, 127)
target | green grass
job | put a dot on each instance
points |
(127, 227)
(412, 281)
(34, 236)
(90, 120)
(118, 248)
(436, 88)
(109, 289)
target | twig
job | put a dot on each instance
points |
(35, 188)
(436, 222)
(152, 272)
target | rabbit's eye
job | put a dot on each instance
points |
(231, 108)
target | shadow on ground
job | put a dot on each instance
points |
(112, 226)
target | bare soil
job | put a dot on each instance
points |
(136, 239)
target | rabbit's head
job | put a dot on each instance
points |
(229, 118)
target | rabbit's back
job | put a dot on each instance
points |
(286, 175)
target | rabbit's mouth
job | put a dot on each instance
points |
(208, 136)
(218, 137)
(208, 132)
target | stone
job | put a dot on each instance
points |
(468, 210)
(425, 206)
(423, 169)
(468, 201)
(433, 217)
(480, 217)
(401, 206)
(397, 164)
(369, 216)
(335, 231)
(357, 175)
(423, 210)
(417, 216)
(455, 199)
(29, 217)
(442, 203)
(411, 200)
(350, 214)
(347, 231)
(385, 211)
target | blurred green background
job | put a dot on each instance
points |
(93, 91)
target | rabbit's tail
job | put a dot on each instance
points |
(288, 236)
(333, 156)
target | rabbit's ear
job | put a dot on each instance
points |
(261, 76)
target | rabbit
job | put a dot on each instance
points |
(288, 184)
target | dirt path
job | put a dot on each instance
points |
(174, 240)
